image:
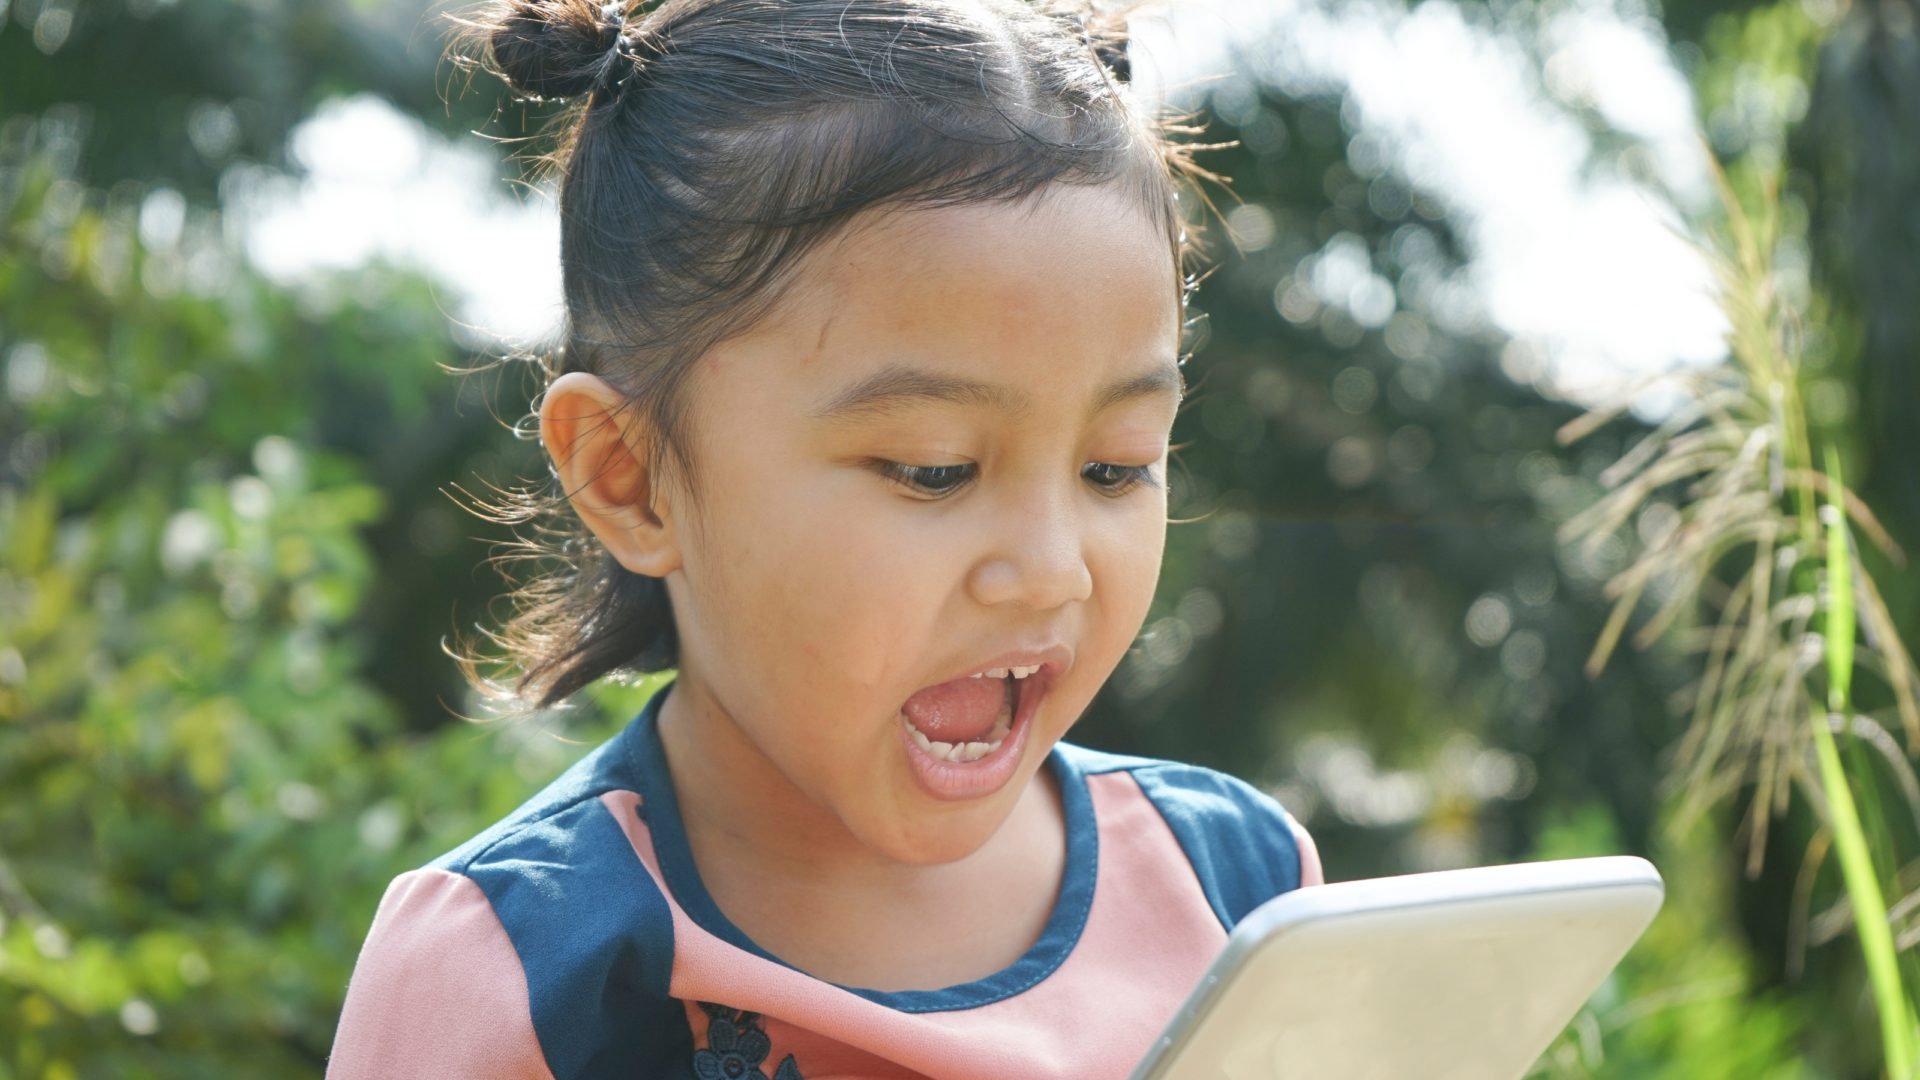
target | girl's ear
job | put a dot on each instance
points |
(599, 447)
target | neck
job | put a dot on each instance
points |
(734, 799)
(788, 872)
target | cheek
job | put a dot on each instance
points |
(818, 588)
(825, 589)
(1126, 573)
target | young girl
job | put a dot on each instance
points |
(874, 316)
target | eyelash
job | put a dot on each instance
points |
(915, 476)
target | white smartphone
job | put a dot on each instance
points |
(1453, 975)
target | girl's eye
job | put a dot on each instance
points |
(927, 479)
(942, 480)
(1117, 479)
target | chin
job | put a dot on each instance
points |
(948, 833)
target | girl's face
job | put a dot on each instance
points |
(944, 451)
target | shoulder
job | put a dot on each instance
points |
(562, 876)
(436, 989)
(1244, 846)
(551, 912)
(571, 894)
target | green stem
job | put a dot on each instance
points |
(1869, 906)
(1850, 842)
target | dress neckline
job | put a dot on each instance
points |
(660, 809)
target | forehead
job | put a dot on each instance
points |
(1062, 248)
(1065, 259)
(1072, 285)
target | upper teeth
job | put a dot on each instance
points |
(1003, 672)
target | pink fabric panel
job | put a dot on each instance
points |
(1149, 936)
(1311, 872)
(437, 990)
(826, 1059)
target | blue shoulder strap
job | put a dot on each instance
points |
(1239, 839)
(593, 934)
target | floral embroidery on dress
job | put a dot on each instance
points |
(736, 1046)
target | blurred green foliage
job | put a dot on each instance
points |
(207, 785)
(226, 719)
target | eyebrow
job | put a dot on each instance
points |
(897, 388)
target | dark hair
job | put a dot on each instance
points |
(720, 140)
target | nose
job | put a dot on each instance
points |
(1038, 554)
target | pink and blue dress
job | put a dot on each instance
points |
(574, 939)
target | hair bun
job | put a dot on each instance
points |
(559, 48)
(1114, 55)
(1106, 34)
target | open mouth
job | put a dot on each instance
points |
(974, 749)
(964, 738)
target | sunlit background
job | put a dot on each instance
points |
(246, 244)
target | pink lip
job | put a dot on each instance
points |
(952, 781)
(1053, 659)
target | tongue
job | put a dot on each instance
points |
(963, 710)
